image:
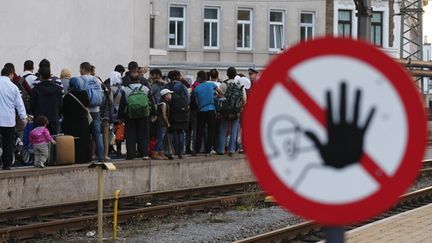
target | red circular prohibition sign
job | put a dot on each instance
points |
(393, 187)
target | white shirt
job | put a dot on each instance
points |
(30, 79)
(10, 101)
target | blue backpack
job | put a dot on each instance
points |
(93, 88)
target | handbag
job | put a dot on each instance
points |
(89, 117)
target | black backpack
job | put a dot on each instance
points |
(233, 103)
(24, 94)
(179, 105)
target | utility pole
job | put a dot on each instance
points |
(364, 16)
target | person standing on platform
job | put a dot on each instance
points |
(10, 102)
(135, 111)
(179, 112)
(41, 138)
(235, 95)
(47, 100)
(115, 81)
(163, 125)
(205, 94)
(93, 87)
(75, 120)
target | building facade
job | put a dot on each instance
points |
(179, 34)
(204, 34)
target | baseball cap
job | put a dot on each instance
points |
(165, 91)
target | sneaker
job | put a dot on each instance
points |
(39, 165)
(219, 153)
(170, 157)
(207, 155)
(180, 156)
(231, 154)
(146, 158)
(7, 168)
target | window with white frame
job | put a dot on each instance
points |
(307, 26)
(276, 38)
(244, 29)
(177, 24)
(377, 28)
(344, 23)
(211, 28)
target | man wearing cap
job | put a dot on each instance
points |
(163, 125)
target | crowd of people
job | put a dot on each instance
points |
(158, 118)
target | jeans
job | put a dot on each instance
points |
(7, 141)
(205, 118)
(177, 138)
(235, 124)
(95, 129)
(160, 135)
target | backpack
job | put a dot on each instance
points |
(138, 103)
(93, 89)
(24, 94)
(233, 103)
(179, 105)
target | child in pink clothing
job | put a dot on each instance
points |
(41, 138)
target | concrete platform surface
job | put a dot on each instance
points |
(32, 187)
(414, 226)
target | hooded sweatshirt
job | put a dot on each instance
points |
(47, 100)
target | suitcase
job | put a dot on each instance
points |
(64, 150)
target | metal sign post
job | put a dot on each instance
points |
(100, 168)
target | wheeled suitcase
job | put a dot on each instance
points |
(65, 150)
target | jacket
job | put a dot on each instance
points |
(47, 100)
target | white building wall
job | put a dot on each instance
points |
(66, 32)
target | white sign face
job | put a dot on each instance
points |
(294, 157)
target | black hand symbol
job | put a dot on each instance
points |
(345, 139)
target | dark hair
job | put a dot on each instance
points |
(201, 76)
(174, 75)
(132, 65)
(231, 72)
(86, 66)
(156, 71)
(28, 65)
(93, 68)
(10, 65)
(44, 63)
(119, 68)
(44, 72)
(214, 74)
(41, 121)
(6, 71)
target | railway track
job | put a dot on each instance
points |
(22, 224)
(312, 232)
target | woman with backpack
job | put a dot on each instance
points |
(134, 109)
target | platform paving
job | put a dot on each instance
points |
(411, 226)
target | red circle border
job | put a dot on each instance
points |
(387, 195)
